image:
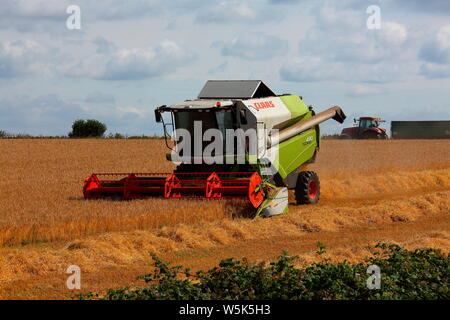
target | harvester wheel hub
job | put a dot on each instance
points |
(312, 189)
(307, 190)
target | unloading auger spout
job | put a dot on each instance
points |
(335, 113)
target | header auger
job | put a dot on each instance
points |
(238, 139)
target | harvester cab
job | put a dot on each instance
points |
(238, 139)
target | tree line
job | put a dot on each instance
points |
(89, 128)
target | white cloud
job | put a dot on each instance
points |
(130, 110)
(253, 46)
(435, 71)
(316, 68)
(307, 69)
(99, 97)
(25, 114)
(226, 11)
(436, 54)
(237, 12)
(342, 35)
(219, 69)
(339, 47)
(121, 10)
(24, 57)
(109, 62)
(428, 6)
(104, 45)
(35, 15)
(52, 114)
(443, 37)
(364, 90)
(392, 34)
(437, 50)
(134, 63)
(42, 9)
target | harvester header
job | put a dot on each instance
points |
(238, 139)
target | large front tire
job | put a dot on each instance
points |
(307, 189)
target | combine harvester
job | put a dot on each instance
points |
(286, 138)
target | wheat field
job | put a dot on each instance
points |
(370, 191)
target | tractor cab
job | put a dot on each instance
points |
(368, 122)
(365, 128)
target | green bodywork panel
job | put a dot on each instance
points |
(299, 149)
(295, 105)
(295, 151)
(298, 109)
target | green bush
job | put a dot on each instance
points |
(418, 274)
(87, 128)
(3, 134)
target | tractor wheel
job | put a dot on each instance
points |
(307, 189)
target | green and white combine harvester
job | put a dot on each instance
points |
(261, 142)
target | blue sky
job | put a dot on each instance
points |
(132, 56)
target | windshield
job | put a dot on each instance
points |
(221, 120)
(367, 123)
(209, 119)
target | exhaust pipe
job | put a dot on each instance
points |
(334, 112)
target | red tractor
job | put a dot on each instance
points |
(365, 128)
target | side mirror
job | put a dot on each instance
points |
(354, 120)
(158, 117)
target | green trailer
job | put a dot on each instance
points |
(438, 129)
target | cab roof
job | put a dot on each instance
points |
(235, 89)
(201, 104)
(223, 93)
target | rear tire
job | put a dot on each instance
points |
(307, 189)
